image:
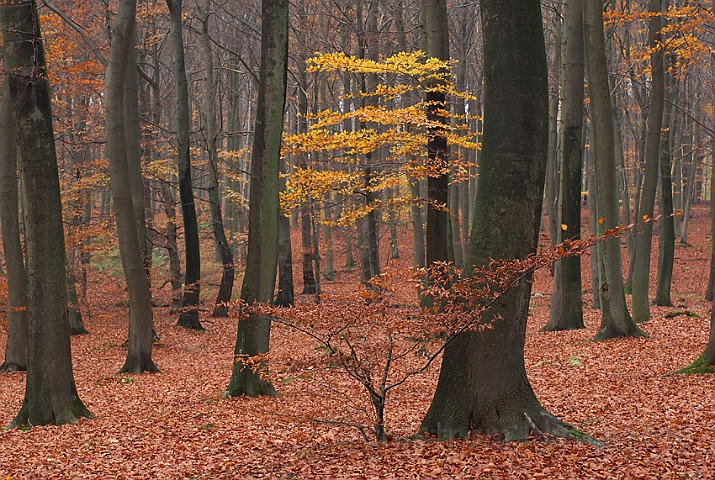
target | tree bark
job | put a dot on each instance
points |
(436, 33)
(189, 317)
(140, 313)
(286, 293)
(666, 249)
(482, 383)
(16, 349)
(50, 391)
(641, 268)
(566, 302)
(224, 293)
(260, 277)
(615, 319)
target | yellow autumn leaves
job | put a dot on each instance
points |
(389, 135)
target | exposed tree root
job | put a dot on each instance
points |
(517, 426)
(58, 414)
(698, 367)
(138, 365)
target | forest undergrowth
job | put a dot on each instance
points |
(176, 425)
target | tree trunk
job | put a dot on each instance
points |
(644, 235)
(418, 232)
(483, 384)
(50, 391)
(16, 349)
(592, 226)
(172, 249)
(140, 312)
(567, 303)
(189, 317)
(306, 238)
(689, 190)
(260, 277)
(666, 250)
(224, 293)
(615, 319)
(553, 181)
(436, 32)
(132, 132)
(286, 294)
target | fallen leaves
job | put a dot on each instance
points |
(175, 425)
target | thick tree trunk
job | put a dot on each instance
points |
(260, 277)
(189, 317)
(644, 235)
(50, 391)
(140, 312)
(567, 303)
(16, 349)
(483, 384)
(615, 319)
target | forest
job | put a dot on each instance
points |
(396, 239)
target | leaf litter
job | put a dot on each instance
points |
(176, 425)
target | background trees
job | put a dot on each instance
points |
(362, 166)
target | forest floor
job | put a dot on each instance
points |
(175, 424)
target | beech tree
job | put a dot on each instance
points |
(140, 312)
(566, 301)
(50, 391)
(16, 350)
(641, 268)
(616, 321)
(482, 383)
(259, 280)
(189, 316)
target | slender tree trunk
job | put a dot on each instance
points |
(553, 181)
(592, 225)
(644, 235)
(16, 349)
(666, 249)
(689, 190)
(286, 294)
(615, 319)
(172, 249)
(132, 133)
(140, 313)
(418, 232)
(189, 317)
(224, 293)
(50, 391)
(436, 32)
(328, 229)
(309, 285)
(567, 303)
(259, 280)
